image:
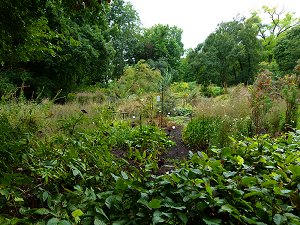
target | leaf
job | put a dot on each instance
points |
(182, 217)
(98, 221)
(115, 177)
(154, 204)
(144, 202)
(210, 221)
(253, 193)
(240, 160)
(157, 217)
(175, 178)
(111, 199)
(77, 213)
(42, 211)
(99, 210)
(269, 183)
(228, 208)
(203, 155)
(124, 175)
(208, 189)
(172, 205)
(45, 195)
(279, 219)
(18, 199)
(120, 222)
(144, 155)
(53, 221)
(121, 185)
(248, 181)
(295, 171)
(229, 174)
(64, 222)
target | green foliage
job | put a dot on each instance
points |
(148, 138)
(138, 79)
(202, 132)
(124, 31)
(6, 87)
(211, 90)
(265, 94)
(230, 55)
(273, 28)
(254, 181)
(199, 132)
(183, 111)
(70, 176)
(162, 43)
(63, 44)
(286, 51)
(290, 93)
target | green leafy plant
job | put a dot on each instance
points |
(199, 132)
(289, 91)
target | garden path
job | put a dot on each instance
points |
(175, 153)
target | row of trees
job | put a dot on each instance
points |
(48, 45)
(238, 49)
(60, 44)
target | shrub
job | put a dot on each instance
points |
(137, 79)
(211, 90)
(200, 131)
(183, 111)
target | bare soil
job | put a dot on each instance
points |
(175, 153)
(171, 157)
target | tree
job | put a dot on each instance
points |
(58, 43)
(230, 55)
(124, 25)
(137, 79)
(287, 52)
(271, 30)
(25, 34)
(162, 43)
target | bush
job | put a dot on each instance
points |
(183, 111)
(202, 132)
(138, 79)
(199, 132)
(211, 91)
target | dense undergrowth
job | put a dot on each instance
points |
(58, 168)
(97, 159)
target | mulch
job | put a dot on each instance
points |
(177, 152)
(172, 156)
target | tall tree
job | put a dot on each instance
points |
(275, 26)
(287, 51)
(58, 43)
(162, 43)
(124, 25)
(230, 55)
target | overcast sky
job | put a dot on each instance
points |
(198, 18)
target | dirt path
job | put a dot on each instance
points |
(175, 153)
(171, 157)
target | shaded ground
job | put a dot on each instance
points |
(171, 157)
(175, 153)
(180, 150)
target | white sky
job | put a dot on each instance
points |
(198, 18)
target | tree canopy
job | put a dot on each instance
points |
(230, 55)
(49, 45)
(287, 51)
(162, 43)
